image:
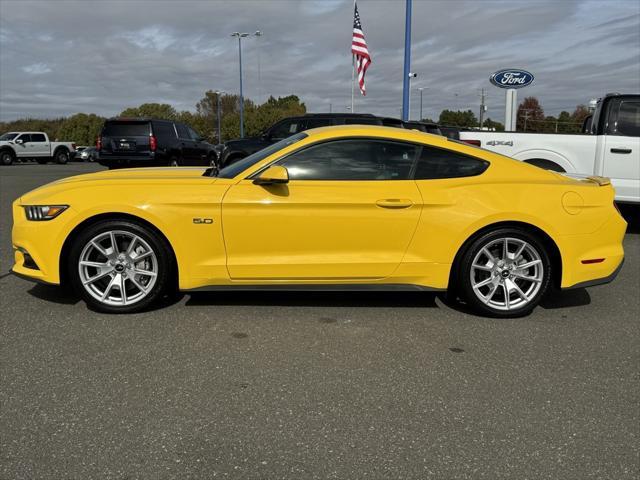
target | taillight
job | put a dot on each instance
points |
(476, 143)
(99, 143)
(153, 143)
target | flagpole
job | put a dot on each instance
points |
(353, 80)
(353, 70)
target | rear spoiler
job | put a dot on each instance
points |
(598, 180)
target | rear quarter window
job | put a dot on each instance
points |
(164, 130)
(437, 163)
(126, 129)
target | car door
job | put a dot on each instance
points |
(186, 143)
(621, 153)
(21, 145)
(39, 146)
(348, 213)
(284, 129)
(200, 147)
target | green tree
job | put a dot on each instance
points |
(81, 128)
(458, 118)
(162, 111)
(491, 125)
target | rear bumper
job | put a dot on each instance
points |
(598, 281)
(579, 252)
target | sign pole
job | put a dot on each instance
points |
(407, 62)
(511, 79)
(510, 114)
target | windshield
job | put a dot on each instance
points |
(8, 136)
(234, 169)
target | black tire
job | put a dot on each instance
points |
(503, 278)
(7, 157)
(175, 162)
(165, 276)
(41, 161)
(61, 156)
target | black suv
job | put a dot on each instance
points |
(137, 142)
(234, 150)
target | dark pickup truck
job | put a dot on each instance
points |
(234, 150)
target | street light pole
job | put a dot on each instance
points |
(421, 89)
(406, 84)
(408, 110)
(240, 37)
(218, 93)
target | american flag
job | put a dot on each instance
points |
(359, 50)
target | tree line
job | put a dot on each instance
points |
(530, 118)
(83, 129)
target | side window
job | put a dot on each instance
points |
(164, 130)
(629, 119)
(310, 123)
(284, 130)
(183, 131)
(440, 163)
(353, 160)
(194, 135)
(25, 137)
(38, 137)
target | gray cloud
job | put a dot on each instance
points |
(61, 57)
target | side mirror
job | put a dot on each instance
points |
(19, 141)
(273, 176)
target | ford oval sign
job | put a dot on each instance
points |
(512, 78)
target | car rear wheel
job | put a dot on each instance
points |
(62, 156)
(504, 273)
(120, 266)
(175, 162)
(6, 158)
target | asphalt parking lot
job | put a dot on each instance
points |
(299, 385)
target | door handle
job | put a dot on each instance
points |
(620, 150)
(394, 203)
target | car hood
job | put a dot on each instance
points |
(131, 176)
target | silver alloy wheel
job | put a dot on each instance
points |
(118, 268)
(507, 273)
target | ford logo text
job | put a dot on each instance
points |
(511, 78)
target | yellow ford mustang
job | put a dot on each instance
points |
(346, 208)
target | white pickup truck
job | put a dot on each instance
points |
(35, 145)
(609, 146)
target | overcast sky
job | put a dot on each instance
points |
(63, 57)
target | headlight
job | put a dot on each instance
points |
(43, 212)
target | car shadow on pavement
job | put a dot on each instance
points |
(315, 299)
(53, 293)
(565, 298)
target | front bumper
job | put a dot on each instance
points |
(37, 246)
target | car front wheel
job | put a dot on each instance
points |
(120, 266)
(505, 273)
